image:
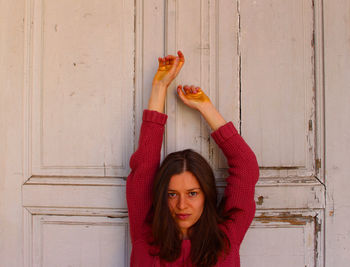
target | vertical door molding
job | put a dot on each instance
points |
(205, 32)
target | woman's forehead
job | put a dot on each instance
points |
(184, 181)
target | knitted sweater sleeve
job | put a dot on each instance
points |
(144, 164)
(243, 175)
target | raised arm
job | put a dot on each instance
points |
(243, 167)
(145, 161)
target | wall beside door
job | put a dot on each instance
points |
(11, 132)
(337, 121)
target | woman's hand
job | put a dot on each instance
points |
(195, 98)
(168, 69)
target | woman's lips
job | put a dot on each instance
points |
(182, 216)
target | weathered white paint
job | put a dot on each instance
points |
(206, 32)
(62, 91)
(74, 196)
(80, 87)
(277, 81)
(188, 30)
(11, 130)
(150, 28)
(80, 241)
(295, 245)
(274, 82)
(337, 120)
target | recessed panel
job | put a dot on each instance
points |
(80, 241)
(277, 80)
(83, 71)
(274, 247)
(284, 239)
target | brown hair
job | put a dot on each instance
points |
(208, 241)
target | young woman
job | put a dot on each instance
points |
(175, 219)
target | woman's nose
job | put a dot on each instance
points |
(181, 204)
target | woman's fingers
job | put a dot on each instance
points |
(174, 66)
(170, 59)
(181, 56)
(182, 95)
(187, 89)
(161, 61)
(192, 89)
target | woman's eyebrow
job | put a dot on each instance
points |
(193, 189)
(197, 188)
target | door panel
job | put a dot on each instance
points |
(80, 241)
(81, 71)
(295, 245)
(278, 75)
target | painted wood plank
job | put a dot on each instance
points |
(184, 32)
(80, 196)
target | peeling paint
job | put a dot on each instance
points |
(285, 217)
(279, 168)
(260, 200)
(310, 125)
(318, 228)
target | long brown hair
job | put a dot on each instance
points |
(208, 241)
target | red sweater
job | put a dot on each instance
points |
(243, 175)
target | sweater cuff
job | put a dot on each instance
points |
(154, 116)
(224, 132)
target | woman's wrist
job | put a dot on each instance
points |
(211, 115)
(157, 99)
(158, 87)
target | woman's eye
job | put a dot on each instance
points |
(171, 195)
(192, 194)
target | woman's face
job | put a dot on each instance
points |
(185, 200)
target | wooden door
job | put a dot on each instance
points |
(79, 131)
(79, 75)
